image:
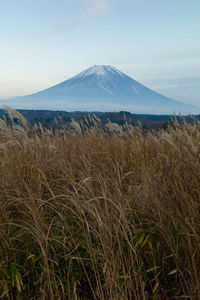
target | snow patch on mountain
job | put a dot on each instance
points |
(98, 70)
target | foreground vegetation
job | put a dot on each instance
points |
(89, 214)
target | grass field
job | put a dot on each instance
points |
(89, 214)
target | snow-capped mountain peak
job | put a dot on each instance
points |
(101, 88)
(99, 70)
(105, 78)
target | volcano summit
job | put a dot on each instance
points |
(101, 88)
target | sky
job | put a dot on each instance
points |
(156, 42)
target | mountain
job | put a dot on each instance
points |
(101, 88)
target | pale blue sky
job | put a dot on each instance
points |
(44, 42)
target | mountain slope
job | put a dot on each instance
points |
(101, 88)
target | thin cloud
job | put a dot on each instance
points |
(96, 7)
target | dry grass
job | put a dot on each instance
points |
(95, 215)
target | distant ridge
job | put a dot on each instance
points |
(101, 88)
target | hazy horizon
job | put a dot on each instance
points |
(45, 42)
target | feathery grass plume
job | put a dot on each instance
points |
(99, 214)
(14, 116)
(113, 127)
(75, 126)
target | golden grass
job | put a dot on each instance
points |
(99, 215)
